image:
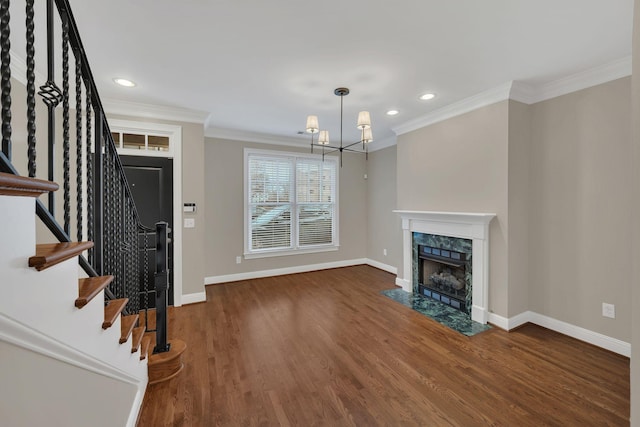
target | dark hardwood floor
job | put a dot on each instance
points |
(326, 348)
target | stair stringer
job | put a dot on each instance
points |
(40, 305)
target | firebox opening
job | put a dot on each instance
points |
(442, 276)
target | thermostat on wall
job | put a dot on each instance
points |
(189, 207)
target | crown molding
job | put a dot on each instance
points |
(261, 138)
(466, 105)
(151, 111)
(605, 73)
(524, 92)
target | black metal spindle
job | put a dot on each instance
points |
(145, 272)
(90, 182)
(65, 127)
(161, 279)
(79, 198)
(5, 69)
(31, 90)
(51, 96)
(98, 201)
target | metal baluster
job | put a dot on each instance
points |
(98, 201)
(161, 280)
(90, 184)
(31, 91)
(5, 70)
(51, 96)
(65, 127)
(79, 200)
(145, 279)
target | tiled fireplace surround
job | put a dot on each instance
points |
(473, 226)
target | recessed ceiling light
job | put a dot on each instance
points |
(392, 112)
(428, 96)
(124, 82)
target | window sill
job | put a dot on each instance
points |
(289, 252)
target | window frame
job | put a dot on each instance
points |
(296, 249)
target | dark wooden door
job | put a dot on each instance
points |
(151, 182)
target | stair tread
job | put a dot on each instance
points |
(15, 185)
(112, 311)
(127, 323)
(89, 287)
(144, 350)
(48, 254)
(138, 333)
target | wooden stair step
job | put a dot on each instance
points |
(138, 333)
(144, 350)
(49, 254)
(127, 323)
(112, 311)
(90, 287)
(15, 185)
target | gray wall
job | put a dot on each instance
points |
(461, 164)
(39, 390)
(580, 208)
(518, 204)
(384, 228)
(224, 177)
(635, 197)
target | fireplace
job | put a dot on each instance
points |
(442, 269)
(462, 226)
(443, 276)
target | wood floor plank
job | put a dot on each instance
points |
(326, 348)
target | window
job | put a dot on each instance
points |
(290, 203)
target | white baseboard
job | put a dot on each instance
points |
(404, 284)
(135, 408)
(194, 298)
(389, 268)
(582, 334)
(211, 280)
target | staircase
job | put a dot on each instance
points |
(67, 357)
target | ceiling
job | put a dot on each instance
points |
(262, 66)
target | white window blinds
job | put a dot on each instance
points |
(291, 202)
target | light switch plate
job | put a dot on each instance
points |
(189, 223)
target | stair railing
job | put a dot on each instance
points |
(104, 211)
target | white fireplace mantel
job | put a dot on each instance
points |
(473, 226)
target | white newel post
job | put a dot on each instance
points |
(473, 226)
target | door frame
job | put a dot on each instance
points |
(174, 133)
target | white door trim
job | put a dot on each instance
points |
(174, 132)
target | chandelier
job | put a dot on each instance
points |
(364, 124)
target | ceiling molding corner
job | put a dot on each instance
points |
(523, 92)
(466, 105)
(150, 111)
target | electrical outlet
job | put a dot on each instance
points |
(189, 223)
(238, 259)
(608, 310)
(384, 252)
